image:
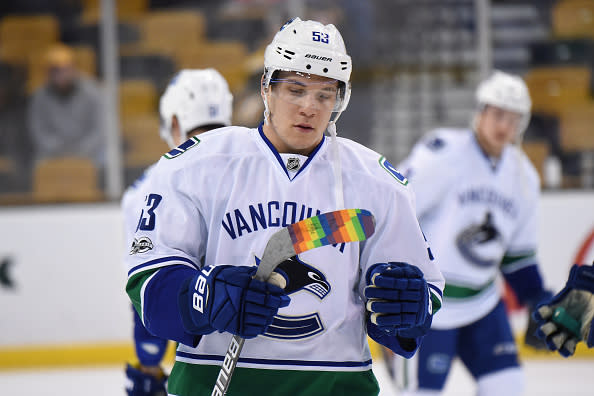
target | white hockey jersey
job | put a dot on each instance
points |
(219, 197)
(475, 214)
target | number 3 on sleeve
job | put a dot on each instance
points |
(147, 220)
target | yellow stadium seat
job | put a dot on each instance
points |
(577, 128)
(554, 89)
(66, 179)
(21, 35)
(137, 97)
(169, 32)
(573, 18)
(127, 10)
(142, 141)
(536, 151)
(229, 58)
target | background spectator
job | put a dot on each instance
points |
(64, 116)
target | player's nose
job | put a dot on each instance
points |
(309, 106)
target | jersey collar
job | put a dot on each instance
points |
(493, 162)
(280, 160)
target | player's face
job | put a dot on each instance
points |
(300, 108)
(496, 128)
(62, 77)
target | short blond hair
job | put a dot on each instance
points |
(59, 55)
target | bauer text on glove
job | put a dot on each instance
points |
(228, 298)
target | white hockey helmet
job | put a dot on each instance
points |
(197, 97)
(508, 92)
(312, 48)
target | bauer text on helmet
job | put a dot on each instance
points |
(197, 98)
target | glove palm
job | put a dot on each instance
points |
(566, 319)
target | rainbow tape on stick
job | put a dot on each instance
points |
(347, 225)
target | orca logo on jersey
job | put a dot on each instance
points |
(302, 276)
(141, 245)
(481, 244)
(298, 276)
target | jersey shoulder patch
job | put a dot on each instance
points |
(435, 143)
(388, 167)
(364, 161)
(182, 148)
(439, 139)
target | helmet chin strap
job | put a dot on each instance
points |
(266, 111)
(336, 164)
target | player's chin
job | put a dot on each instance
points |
(304, 145)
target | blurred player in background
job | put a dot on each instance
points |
(477, 196)
(195, 101)
(214, 204)
(567, 318)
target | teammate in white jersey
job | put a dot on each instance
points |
(213, 203)
(477, 196)
(194, 102)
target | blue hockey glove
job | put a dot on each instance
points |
(143, 384)
(566, 319)
(228, 298)
(398, 299)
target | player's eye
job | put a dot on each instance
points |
(322, 96)
(296, 91)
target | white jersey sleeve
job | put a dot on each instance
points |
(521, 250)
(169, 225)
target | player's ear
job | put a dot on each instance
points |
(263, 88)
(176, 131)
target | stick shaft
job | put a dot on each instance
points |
(278, 249)
(228, 367)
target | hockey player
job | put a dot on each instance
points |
(195, 101)
(567, 318)
(214, 202)
(477, 196)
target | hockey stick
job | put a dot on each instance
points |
(346, 225)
